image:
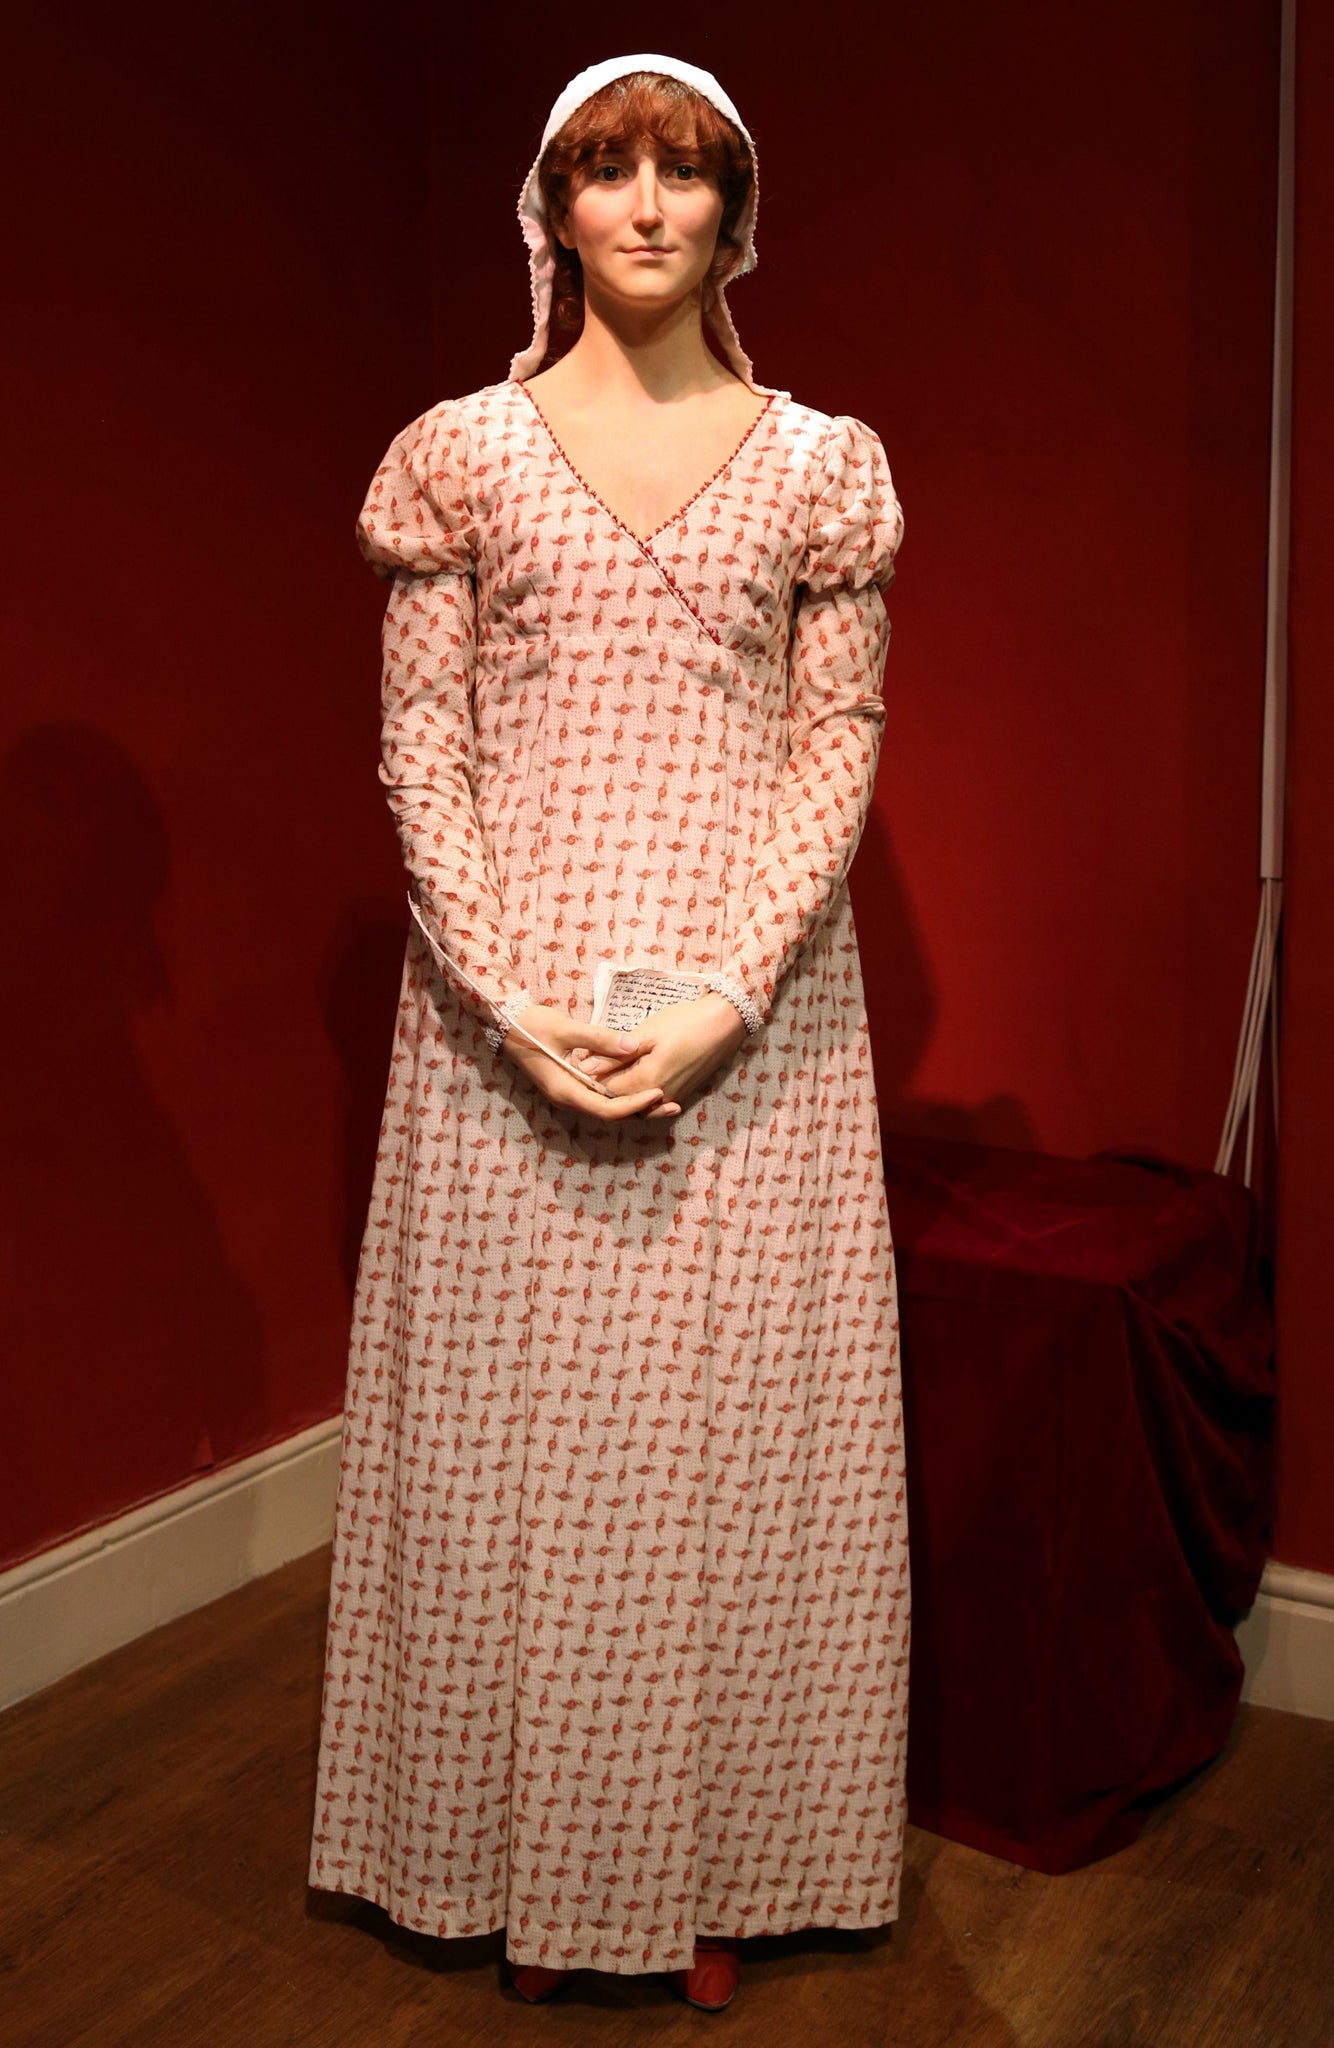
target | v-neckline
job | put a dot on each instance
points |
(645, 540)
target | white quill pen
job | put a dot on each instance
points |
(588, 1080)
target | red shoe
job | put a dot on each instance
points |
(534, 1981)
(711, 1981)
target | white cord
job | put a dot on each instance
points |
(1262, 990)
(457, 965)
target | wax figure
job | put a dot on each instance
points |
(618, 1631)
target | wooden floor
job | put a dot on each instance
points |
(155, 1817)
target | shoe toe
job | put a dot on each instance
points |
(711, 1981)
(534, 1981)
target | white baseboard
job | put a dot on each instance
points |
(63, 1608)
(1287, 1642)
(66, 1606)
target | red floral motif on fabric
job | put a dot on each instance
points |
(619, 1614)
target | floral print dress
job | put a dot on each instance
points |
(619, 1613)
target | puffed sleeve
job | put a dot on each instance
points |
(417, 528)
(836, 713)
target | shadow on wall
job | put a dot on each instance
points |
(112, 1252)
(903, 1006)
(358, 989)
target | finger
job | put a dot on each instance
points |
(620, 1085)
(617, 1043)
(622, 1106)
(601, 1101)
(607, 1062)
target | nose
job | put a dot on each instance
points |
(646, 208)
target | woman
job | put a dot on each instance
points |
(619, 1619)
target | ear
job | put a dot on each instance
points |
(713, 280)
(558, 226)
(725, 270)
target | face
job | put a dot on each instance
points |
(645, 225)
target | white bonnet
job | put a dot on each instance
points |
(541, 256)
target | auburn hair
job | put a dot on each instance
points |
(641, 108)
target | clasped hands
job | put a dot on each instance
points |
(652, 1071)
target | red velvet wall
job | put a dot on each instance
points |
(218, 313)
(1033, 247)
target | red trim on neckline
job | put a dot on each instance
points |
(644, 541)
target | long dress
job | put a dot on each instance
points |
(619, 1609)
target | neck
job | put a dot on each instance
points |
(661, 354)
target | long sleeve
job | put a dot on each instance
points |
(836, 713)
(416, 528)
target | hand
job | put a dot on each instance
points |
(676, 1048)
(566, 1035)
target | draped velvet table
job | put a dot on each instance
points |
(1089, 1399)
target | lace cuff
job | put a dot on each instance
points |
(509, 1010)
(724, 985)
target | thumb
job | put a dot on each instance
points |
(598, 1038)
